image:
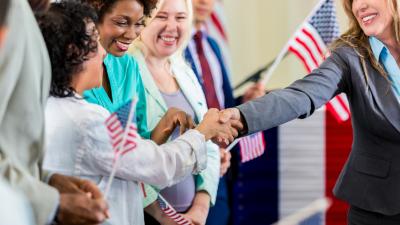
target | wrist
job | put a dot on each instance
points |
(202, 201)
(204, 132)
(154, 211)
(245, 129)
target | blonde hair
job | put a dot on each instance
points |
(178, 56)
(356, 38)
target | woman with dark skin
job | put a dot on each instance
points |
(120, 22)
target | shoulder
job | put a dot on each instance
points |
(76, 110)
(183, 71)
(125, 71)
(343, 57)
(345, 52)
(122, 62)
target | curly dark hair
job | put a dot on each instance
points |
(64, 28)
(5, 4)
(39, 6)
(105, 6)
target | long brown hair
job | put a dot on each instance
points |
(356, 38)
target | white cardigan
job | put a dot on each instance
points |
(78, 144)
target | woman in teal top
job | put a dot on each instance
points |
(120, 22)
(124, 82)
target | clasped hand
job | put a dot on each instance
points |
(219, 128)
(222, 127)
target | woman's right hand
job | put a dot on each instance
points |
(212, 128)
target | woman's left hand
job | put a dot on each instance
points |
(172, 119)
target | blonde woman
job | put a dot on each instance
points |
(365, 65)
(170, 82)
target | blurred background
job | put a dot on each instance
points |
(258, 30)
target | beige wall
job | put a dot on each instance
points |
(258, 29)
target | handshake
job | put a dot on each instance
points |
(222, 127)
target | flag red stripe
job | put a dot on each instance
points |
(298, 40)
(218, 25)
(344, 105)
(313, 40)
(300, 56)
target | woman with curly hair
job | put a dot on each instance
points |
(78, 143)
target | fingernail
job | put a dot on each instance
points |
(100, 217)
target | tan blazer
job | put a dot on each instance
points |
(24, 85)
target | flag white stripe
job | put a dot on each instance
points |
(301, 162)
(313, 48)
(302, 51)
(339, 110)
(316, 37)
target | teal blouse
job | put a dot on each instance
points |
(125, 82)
(383, 56)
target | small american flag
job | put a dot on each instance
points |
(123, 133)
(117, 124)
(310, 43)
(252, 146)
(171, 213)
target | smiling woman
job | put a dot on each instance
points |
(119, 23)
(170, 82)
(370, 18)
(364, 65)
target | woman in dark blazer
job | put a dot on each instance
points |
(364, 64)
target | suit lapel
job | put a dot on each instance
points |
(385, 98)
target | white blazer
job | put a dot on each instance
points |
(78, 145)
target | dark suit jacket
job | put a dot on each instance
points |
(370, 178)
